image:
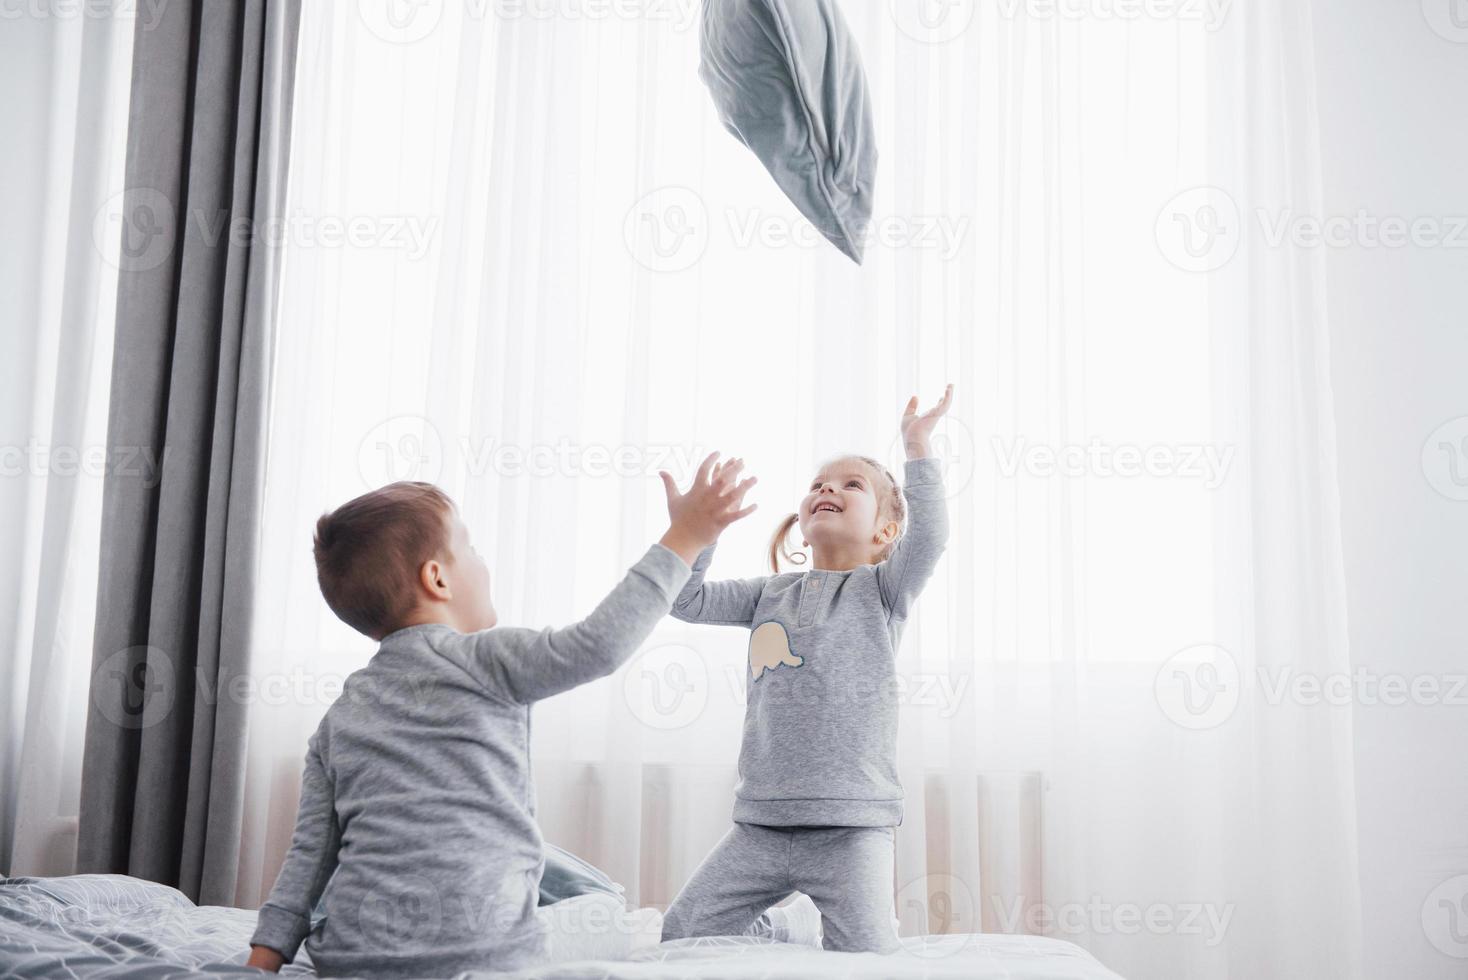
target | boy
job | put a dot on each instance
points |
(417, 788)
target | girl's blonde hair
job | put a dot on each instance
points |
(890, 504)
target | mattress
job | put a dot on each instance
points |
(113, 926)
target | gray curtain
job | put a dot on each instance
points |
(208, 134)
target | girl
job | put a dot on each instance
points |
(818, 795)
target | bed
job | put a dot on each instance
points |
(113, 926)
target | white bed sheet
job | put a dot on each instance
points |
(972, 957)
(119, 927)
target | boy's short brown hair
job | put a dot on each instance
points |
(369, 550)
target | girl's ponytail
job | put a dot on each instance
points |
(780, 545)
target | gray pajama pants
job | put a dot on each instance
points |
(846, 871)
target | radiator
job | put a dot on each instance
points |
(969, 853)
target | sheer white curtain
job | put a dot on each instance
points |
(565, 276)
(60, 187)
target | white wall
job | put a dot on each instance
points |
(1395, 133)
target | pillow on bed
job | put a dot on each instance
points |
(787, 80)
(114, 894)
(597, 927)
(567, 876)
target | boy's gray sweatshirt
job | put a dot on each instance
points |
(417, 792)
(820, 721)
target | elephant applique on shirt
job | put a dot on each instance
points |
(769, 648)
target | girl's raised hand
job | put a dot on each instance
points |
(917, 430)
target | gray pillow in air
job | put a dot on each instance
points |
(787, 80)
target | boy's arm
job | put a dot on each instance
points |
(902, 576)
(285, 918)
(728, 603)
(528, 665)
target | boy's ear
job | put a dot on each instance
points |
(434, 580)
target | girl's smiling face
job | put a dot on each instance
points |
(843, 509)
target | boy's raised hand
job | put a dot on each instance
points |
(917, 430)
(699, 515)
